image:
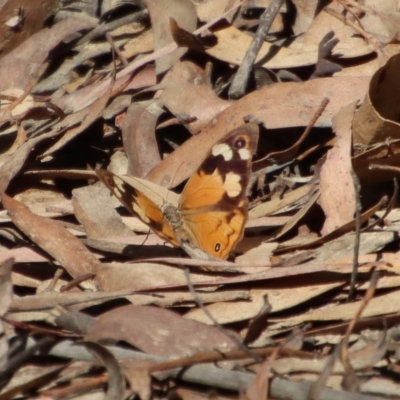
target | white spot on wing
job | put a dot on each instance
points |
(232, 184)
(119, 183)
(244, 154)
(224, 150)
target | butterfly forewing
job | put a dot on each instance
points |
(139, 204)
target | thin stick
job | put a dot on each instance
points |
(215, 356)
(349, 10)
(57, 276)
(350, 376)
(6, 113)
(115, 50)
(76, 281)
(358, 29)
(369, 10)
(389, 207)
(108, 27)
(238, 86)
(390, 168)
(357, 188)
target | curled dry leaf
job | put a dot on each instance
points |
(139, 139)
(377, 118)
(116, 381)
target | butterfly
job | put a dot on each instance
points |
(207, 220)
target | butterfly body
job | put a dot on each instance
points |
(207, 219)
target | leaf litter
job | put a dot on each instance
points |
(94, 304)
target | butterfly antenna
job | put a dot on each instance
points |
(173, 180)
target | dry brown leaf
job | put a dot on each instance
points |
(380, 305)
(55, 240)
(305, 10)
(144, 78)
(138, 135)
(259, 387)
(114, 277)
(19, 67)
(280, 299)
(83, 119)
(23, 255)
(140, 44)
(159, 332)
(383, 22)
(45, 200)
(193, 100)
(92, 208)
(72, 300)
(184, 13)
(186, 71)
(338, 199)
(344, 245)
(384, 386)
(258, 255)
(183, 38)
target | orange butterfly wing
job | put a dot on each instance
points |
(139, 204)
(213, 204)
